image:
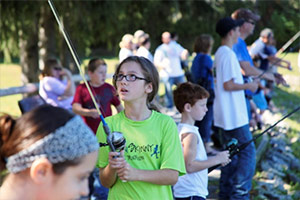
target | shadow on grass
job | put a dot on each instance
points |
(287, 102)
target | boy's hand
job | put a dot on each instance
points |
(93, 113)
(252, 86)
(223, 157)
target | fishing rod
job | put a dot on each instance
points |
(288, 43)
(279, 59)
(114, 140)
(234, 148)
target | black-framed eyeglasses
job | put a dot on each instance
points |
(128, 77)
(251, 22)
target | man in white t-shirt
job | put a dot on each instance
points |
(167, 58)
(230, 113)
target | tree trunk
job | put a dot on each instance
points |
(65, 53)
(29, 58)
(67, 58)
(47, 33)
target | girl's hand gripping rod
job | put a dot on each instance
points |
(115, 140)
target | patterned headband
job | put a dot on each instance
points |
(73, 140)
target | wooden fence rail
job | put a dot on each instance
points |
(33, 87)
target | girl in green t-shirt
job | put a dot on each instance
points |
(153, 158)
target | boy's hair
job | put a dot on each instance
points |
(149, 71)
(95, 63)
(188, 93)
(203, 43)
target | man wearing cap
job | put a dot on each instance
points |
(240, 48)
(230, 112)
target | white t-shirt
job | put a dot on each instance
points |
(144, 52)
(168, 55)
(124, 53)
(230, 111)
(192, 184)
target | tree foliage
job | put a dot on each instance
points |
(96, 27)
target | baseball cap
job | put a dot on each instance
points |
(226, 24)
(245, 14)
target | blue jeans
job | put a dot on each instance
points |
(236, 177)
(168, 87)
(190, 198)
(205, 124)
(98, 192)
(248, 108)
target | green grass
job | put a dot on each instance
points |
(286, 98)
(10, 76)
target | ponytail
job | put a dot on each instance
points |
(153, 105)
(7, 124)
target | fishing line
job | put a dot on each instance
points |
(77, 61)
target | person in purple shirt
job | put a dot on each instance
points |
(57, 87)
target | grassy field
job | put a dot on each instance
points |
(286, 98)
(10, 76)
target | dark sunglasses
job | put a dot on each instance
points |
(57, 68)
(251, 22)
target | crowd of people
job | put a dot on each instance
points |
(50, 149)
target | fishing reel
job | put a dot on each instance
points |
(232, 147)
(115, 141)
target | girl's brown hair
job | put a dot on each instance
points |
(203, 43)
(19, 134)
(150, 73)
(48, 65)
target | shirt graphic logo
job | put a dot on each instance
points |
(155, 152)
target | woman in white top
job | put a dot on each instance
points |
(143, 50)
(126, 47)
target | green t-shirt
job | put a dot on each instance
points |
(151, 144)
